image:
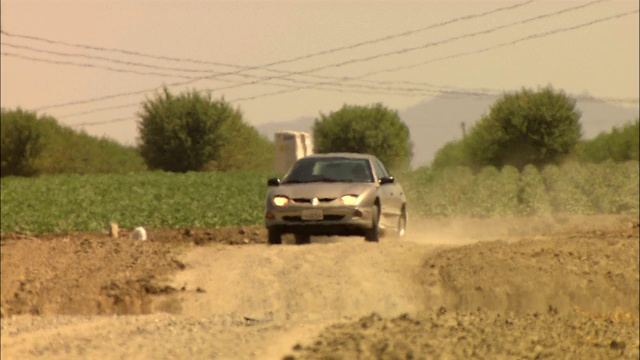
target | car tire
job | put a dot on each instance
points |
(275, 238)
(373, 234)
(402, 225)
(302, 239)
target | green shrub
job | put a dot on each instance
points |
(193, 132)
(621, 144)
(570, 188)
(21, 142)
(33, 145)
(72, 152)
(527, 127)
(533, 196)
(612, 188)
(565, 188)
(451, 154)
(446, 194)
(371, 129)
(492, 192)
(245, 150)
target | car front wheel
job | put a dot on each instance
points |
(402, 225)
(275, 238)
(373, 234)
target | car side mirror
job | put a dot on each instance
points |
(387, 180)
(273, 182)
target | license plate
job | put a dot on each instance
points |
(312, 214)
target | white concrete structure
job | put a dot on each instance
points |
(291, 146)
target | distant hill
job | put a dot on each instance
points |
(435, 122)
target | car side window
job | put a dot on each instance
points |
(380, 170)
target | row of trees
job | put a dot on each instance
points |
(188, 132)
(538, 128)
(33, 145)
(527, 127)
(193, 132)
(620, 144)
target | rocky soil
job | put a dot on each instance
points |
(564, 287)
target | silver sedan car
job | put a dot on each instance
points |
(335, 194)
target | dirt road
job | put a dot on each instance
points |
(556, 288)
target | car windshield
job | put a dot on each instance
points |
(329, 169)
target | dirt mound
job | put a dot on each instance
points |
(91, 273)
(454, 289)
(477, 335)
(595, 271)
(572, 295)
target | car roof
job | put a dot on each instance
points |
(342, 155)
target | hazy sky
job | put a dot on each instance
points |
(400, 53)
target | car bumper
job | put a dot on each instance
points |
(343, 220)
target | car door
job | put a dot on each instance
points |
(390, 196)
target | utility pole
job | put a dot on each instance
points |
(463, 126)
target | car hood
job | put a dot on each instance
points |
(321, 190)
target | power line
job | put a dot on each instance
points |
(471, 52)
(188, 70)
(448, 40)
(530, 37)
(369, 87)
(123, 119)
(452, 93)
(49, 61)
(396, 52)
(280, 62)
(406, 33)
(87, 65)
(404, 51)
(509, 43)
(246, 68)
(42, 51)
(365, 89)
(92, 57)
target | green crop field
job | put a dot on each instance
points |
(152, 199)
(571, 188)
(66, 203)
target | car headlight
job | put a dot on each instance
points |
(281, 200)
(349, 200)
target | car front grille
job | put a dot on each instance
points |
(309, 200)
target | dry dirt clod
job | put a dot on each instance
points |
(113, 230)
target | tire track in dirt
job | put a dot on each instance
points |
(329, 280)
(239, 302)
(325, 282)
